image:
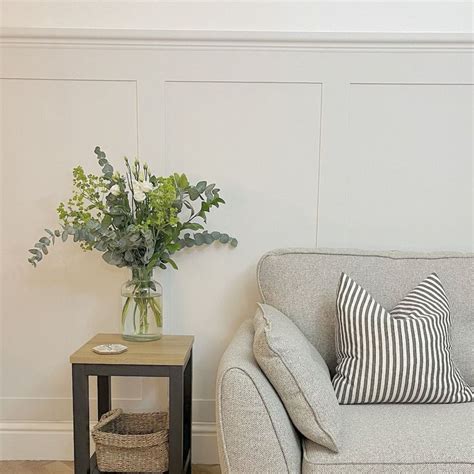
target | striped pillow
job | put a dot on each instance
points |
(401, 356)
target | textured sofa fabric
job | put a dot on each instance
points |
(255, 434)
(292, 364)
(399, 438)
(303, 283)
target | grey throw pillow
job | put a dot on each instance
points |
(299, 375)
(401, 356)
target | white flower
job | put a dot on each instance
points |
(142, 187)
(146, 186)
(139, 196)
(115, 190)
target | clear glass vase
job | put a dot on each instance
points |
(142, 307)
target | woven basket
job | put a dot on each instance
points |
(131, 442)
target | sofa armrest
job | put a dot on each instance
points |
(254, 432)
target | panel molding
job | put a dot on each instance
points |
(302, 82)
(421, 83)
(237, 40)
(68, 50)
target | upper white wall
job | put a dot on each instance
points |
(393, 16)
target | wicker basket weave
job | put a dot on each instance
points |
(132, 442)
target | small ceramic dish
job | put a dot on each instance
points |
(108, 349)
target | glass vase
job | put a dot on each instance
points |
(142, 307)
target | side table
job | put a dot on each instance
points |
(171, 357)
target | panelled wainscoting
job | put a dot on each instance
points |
(315, 140)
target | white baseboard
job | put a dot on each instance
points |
(53, 440)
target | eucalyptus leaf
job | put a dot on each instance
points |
(106, 221)
(100, 246)
(108, 169)
(209, 188)
(117, 211)
(42, 247)
(189, 242)
(201, 186)
(199, 239)
(113, 258)
(224, 238)
(118, 220)
(193, 226)
(173, 263)
(129, 257)
(193, 194)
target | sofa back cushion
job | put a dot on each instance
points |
(303, 284)
(299, 375)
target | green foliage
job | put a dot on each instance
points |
(136, 219)
(41, 247)
(161, 200)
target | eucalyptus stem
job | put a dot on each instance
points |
(134, 316)
(156, 312)
(141, 302)
(125, 310)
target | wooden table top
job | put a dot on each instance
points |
(169, 350)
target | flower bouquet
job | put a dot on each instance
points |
(136, 220)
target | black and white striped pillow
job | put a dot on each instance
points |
(401, 356)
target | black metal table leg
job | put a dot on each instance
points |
(80, 400)
(188, 399)
(104, 397)
(176, 413)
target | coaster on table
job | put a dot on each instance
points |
(110, 349)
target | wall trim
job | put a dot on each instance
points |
(37, 440)
(237, 39)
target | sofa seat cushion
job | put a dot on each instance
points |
(399, 438)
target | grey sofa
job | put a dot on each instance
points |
(255, 434)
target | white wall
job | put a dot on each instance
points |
(423, 16)
(314, 142)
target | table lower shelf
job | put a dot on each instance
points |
(95, 469)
